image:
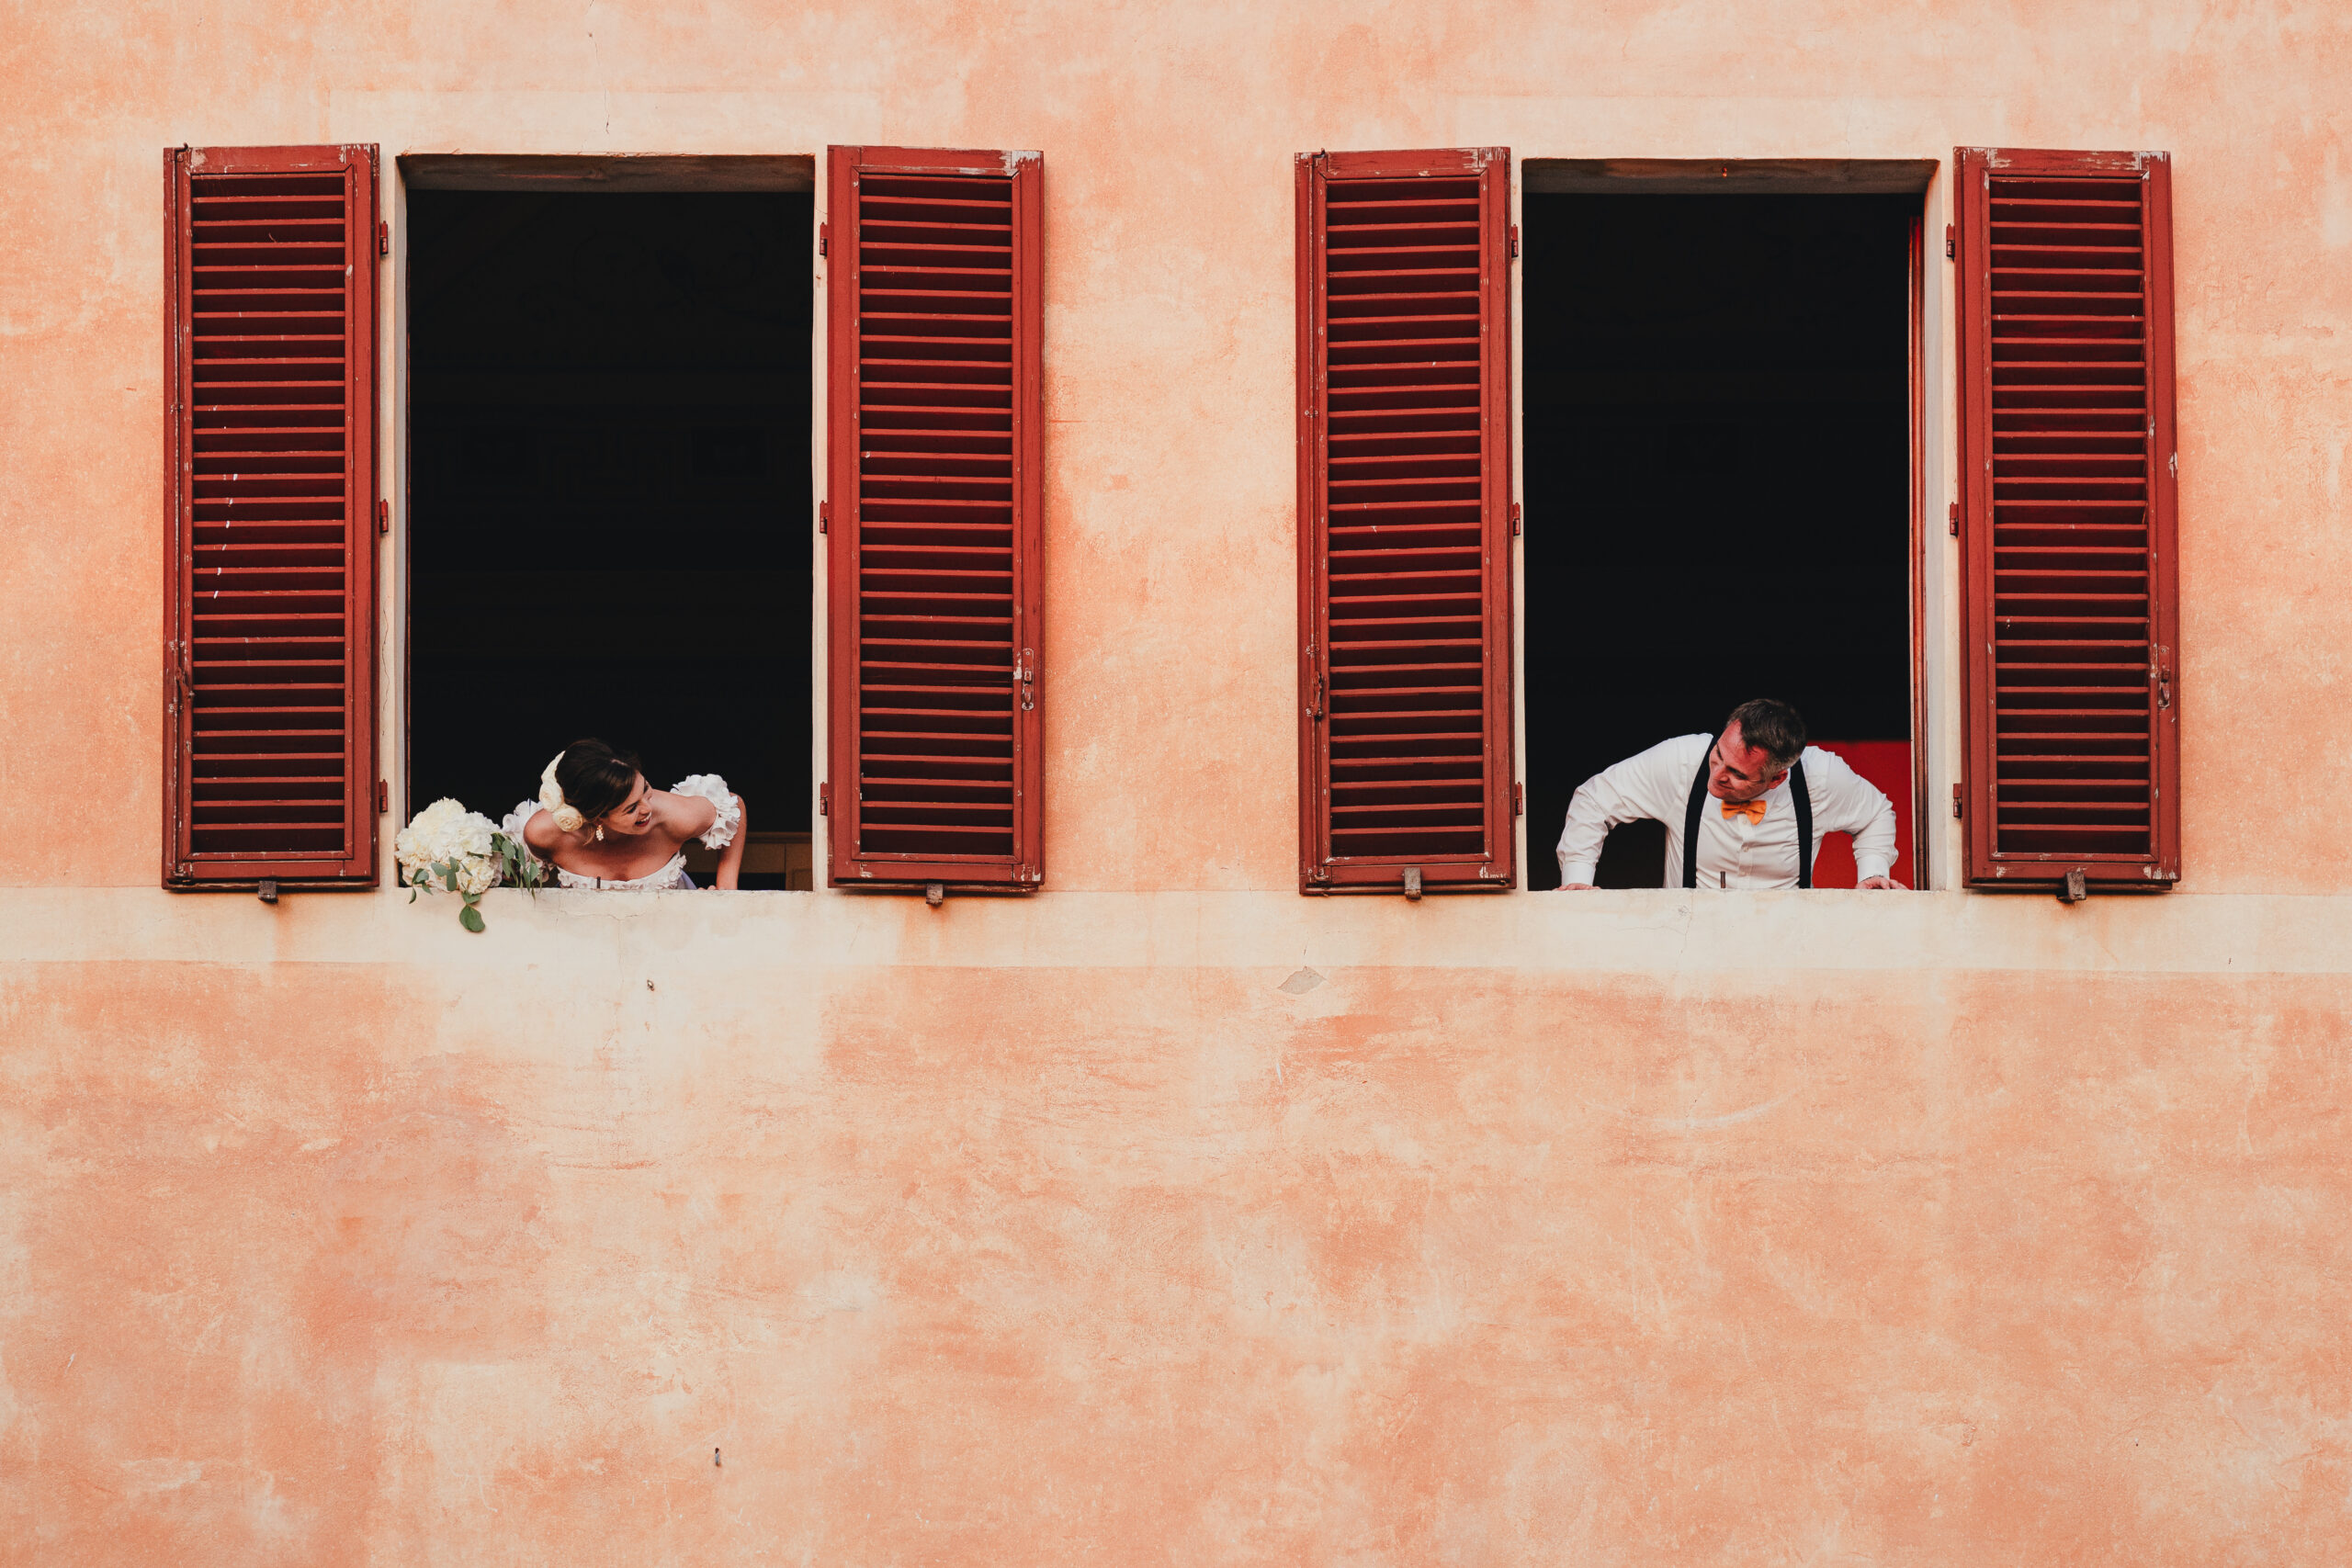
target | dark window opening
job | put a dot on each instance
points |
(1717, 429)
(610, 421)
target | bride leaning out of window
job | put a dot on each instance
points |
(602, 826)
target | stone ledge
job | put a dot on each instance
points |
(1598, 931)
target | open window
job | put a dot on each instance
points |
(610, 529)
(1720, 485)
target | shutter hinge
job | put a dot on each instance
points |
(1955, 801)
(383, 239)
(1519, 800)
(1955, 520)
(1514, 239)
(1514, 519)
(824, 800)
(824, 516)
(1952, 246)
(824, 239)
(383, 797)
(383, 516)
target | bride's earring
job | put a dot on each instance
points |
(600, 832)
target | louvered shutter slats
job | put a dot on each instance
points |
(273, 369)
(269, 370)
(2070, 535)
(1404, 478)
(934, 607)
(1406, 623)
(936, 539)
(2067, 329)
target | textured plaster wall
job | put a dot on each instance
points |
(1757, 1230)
(1192, 1229)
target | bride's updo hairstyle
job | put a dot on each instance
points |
(594, 778)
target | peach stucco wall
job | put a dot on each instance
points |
(1168, 1216)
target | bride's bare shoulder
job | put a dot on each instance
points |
(541, 833)
(685, 815)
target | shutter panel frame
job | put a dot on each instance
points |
(244, 806)
(1414, 818)
(2084, 811)
(983, 827)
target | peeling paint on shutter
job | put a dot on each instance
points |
(268, 669)
(933, 597)
(1404, 514)
(2067, 517)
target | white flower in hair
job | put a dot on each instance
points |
(551, 796)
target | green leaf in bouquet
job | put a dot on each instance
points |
(522, 867)
(470, 917)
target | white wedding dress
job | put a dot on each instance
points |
(704, 786)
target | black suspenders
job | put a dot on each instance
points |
(1798, 796)
(1691, 821)
(1802, 798)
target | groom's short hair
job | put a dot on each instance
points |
(1775, 728)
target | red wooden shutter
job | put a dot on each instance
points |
(2067, 512)
(1404, 477)
(936, 569)
(269, 672)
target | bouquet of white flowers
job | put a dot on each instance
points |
(449, 847)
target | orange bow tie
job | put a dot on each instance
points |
(1751, 809)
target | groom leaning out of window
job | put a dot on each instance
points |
(1746, 808)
